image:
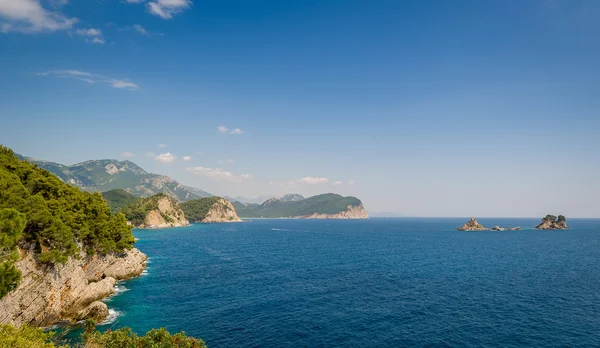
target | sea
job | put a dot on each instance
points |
(382, 282)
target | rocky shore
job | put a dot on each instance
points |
(69, 292)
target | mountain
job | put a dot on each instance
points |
(325, 206)
(210, 209)
(246, 200)
(108, 174)
(292, 197)
(157, 211)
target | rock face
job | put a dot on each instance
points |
(221, 211)
(551, 222)
(353, 212)
(69, 292)
(472, 225)
(168, 214)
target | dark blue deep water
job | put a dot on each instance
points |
(375, 283)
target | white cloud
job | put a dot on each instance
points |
(28, 16)
(167, 8)
(141, 29)
(229, 161)
(165, 158)
(135, 1)
(337, 182)
(237, 131)
(351, 182)
(223, 129)
(162, 146)
(127, 154)
(187, 158)
(91, 78)
(218, 174)
(88, 32)
(100, 41)
(313, 181)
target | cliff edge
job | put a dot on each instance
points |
(353, 212)
(158, 211)
(210, 209)
(48, 294)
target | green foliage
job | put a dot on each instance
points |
(136, 212)
(328, 203)
(550, 218)
(197, 209)
(12, 224)
(118, 199)
(25, 337)
(57, 215)
(155, 338)
(562, 218)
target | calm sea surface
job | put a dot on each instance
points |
(375, 283)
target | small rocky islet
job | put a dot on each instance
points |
(549, 222)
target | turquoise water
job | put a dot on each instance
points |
(374, 283)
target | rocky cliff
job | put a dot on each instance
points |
(551, 222)
(158, 211)
(69, 292)
(211, 209)
(353, 212)
(221, 211)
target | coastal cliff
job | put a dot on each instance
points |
(551, 222)
(48, 294)
(353, 212)
(210, 209)
(158, 211)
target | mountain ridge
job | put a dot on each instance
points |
(108, 174)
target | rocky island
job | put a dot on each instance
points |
(61, 249)
(551, 222)
(473, 225)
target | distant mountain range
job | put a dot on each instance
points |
(108, 174)
(325, 206)
(290, 197)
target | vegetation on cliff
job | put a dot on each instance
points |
(196, 210)
(38, 209)
(136, 212)
(160, 210)
(210, 209)
(328, 203)
(118, 199)
(29, 337)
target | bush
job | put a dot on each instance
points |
(126, 338)
(25, 337)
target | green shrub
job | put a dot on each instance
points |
(25, 337)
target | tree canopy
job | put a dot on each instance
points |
(37, 209)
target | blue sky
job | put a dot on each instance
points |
(423, 108)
